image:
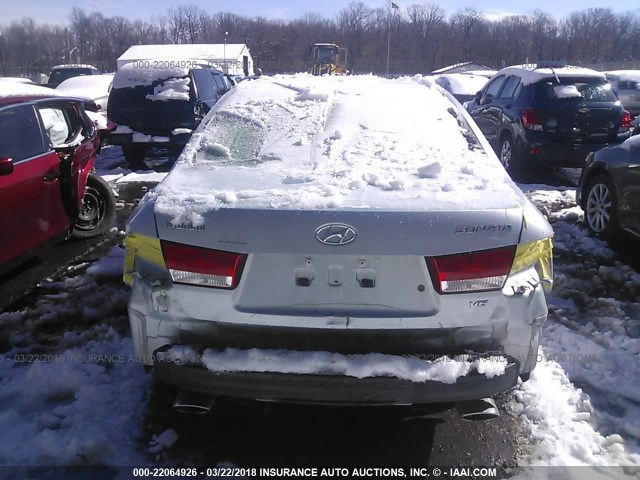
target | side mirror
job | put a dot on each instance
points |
(488, 98)
(6, 166)
(477, 97)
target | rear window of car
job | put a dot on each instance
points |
(59, 76)
(575, 90)
(21, 135)
(231, 140)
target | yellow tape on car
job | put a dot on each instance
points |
(538, 254)
(147, 248)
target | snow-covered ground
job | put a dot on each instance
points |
(79, 397)
(582, 403)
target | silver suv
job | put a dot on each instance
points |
(338, 240)
(626, 85)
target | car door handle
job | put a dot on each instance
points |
(51, 176)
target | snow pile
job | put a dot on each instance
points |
(358, 142)
(566, 91)
(582, 403)
(123, 129)
(461, 83)
(139, 137)
(172, 89)
(565, 429)
(72, 392)
(73, 409)
(443, 369)
(150, 176)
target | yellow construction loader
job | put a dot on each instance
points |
(329, 59)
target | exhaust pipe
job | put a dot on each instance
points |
(477, 410)
(194, 403)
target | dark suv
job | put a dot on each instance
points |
(60, 73)
(548, 116)
(160, 107)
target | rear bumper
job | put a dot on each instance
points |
(558, 154)
(332, 389)
(124, 139)
(562, 155)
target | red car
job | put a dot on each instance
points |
(47, 189)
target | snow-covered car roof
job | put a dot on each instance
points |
(632, 75)
(461, 83)
(181, 52)
(26, 81)
(530, 74)
(364, 142)
(15, 89)
(87, 86)
(73, 65)
(131, 75)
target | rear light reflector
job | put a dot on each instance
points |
(534, 150)
(202, 266)
(471, 271)
(626, 120)
(530, 119)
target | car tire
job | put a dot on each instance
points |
(509, 155)
(98, 209)
(600, 207)
(135, 155)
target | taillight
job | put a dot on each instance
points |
(626, 120)
(530, 119)
(203, 266)
(471, 271)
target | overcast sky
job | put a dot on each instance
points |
(58, 11)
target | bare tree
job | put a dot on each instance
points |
(422, 38)
(424, 20)
(544, 32)
(354, 21)
(463, 23)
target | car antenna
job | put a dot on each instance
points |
(550, 67)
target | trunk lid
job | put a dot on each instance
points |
(380, 272)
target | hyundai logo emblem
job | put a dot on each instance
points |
(336, 234)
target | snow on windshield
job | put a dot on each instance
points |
(303, 142)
